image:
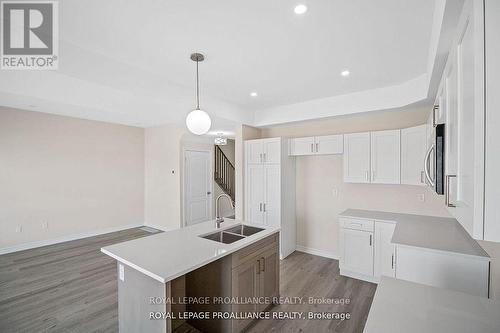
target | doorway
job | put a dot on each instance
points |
(197, 186)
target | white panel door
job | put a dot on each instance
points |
(272, 150)
(302, 146)
(357, 251)
(255, 193)
(385, 157)
(413, 149)
(254, 151)
(272, 195)
(197, 186)
(329, 144)
(357, 157)
(384, 250)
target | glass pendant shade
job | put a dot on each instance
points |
(198, 122)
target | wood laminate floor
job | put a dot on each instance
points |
(66, 287)
(71, 287)
(304, 275)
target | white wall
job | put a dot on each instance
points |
(162, 176)
(318, 176)
(78, 176)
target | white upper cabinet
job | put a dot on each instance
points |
(413, 149)
(272, 151)
(302, 146)
(255, 152)
(357, 157)
(317, 145)
(385, 157)
(329, 144)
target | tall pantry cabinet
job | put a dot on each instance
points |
(270, 188)
(470, 101)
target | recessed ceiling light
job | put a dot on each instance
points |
(300, 9)
(345, 73)
(253, 94)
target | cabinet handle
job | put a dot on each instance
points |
(392, 261)
(312, 148)
(265, 157)
(427, 166)
(367, 176)
(260, 156)
(258, 271)
(260, 207)
(263, 261)
(447, 192)
(434, 121)
(317, 147)
(370, 240)
(264, 207)
(373, 175)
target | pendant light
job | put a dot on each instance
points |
(198, 121)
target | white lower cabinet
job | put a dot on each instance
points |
(356, 248)
(357, 251)
(385, 251)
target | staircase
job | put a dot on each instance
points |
(224, 172)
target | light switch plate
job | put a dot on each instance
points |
(121, 272)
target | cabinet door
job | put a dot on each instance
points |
(254, 151)
(272, 195)
(329, 144)
(254, 185)
(357, 251)
(466, 125)
(302, 146)
(245, 285)
(357, 157)
(272, 151)
(384, 250)
(268, 276)
(385, 157)
(413, 149)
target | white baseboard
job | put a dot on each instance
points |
(32, 245)
(316, 252)
(358, 276)
(156, 226)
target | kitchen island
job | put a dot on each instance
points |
(173, 278)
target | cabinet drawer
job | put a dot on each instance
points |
(252, 251)
(357, 224)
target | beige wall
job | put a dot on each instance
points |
(162, 176)
(317, 177)
(78, 176)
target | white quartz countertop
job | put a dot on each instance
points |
(402, 306)
(168, 255)
(430, 232)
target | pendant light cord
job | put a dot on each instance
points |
(197, 87)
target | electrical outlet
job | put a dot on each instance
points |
(122, 272)
(421, 197)
(335, 192)
(19, 228)
(45, 225)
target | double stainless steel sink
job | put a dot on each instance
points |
(233, 234)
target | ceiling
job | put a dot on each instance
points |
(128, 61)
